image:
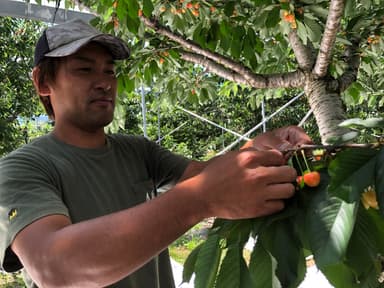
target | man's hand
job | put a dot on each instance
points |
(281, 139)
(246, 184)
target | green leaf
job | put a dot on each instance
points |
(236, 48)
(350, 8)
(273, 17)
(318, 10)
(281, 241)
(133, 23)
(234, 231)
(262, 268)
(262, 2)
(245, 276)
(198, 34)
(154, 68)
(351, 172)
(229, 7)
(204, 95)
(340, 276)
(230, 272)
(121, 10)
(223, 28)
(366, 3)
(125, 84)
(365, 245)
(302, 32)
(148, 75)
(347, 137)
(379, 180)
(329, 227)
(207, 262)
(313, 28)
(240, 232)
(189, 264)
(368, 123)
(133, 8)
(147, 8)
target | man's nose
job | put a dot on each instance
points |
(104, 86)
(103, 83)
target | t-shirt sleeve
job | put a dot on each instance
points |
(165, 166)
(28, 191)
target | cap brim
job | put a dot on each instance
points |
(116, 47)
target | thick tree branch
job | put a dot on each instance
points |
(336, 10)
(189, 45)
(225, 67)
(304, 55)
(286, 80)
(213, 67)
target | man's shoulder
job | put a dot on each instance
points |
(36, 150)
(128, 140)
(126, 137)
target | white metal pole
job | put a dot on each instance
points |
(144, 111)
(245, 136)
(263, 116)
(212, 123)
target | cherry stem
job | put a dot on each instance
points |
(305, 160)
(298, 162)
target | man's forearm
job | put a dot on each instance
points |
(107, 249)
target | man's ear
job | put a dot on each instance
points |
(41, 86)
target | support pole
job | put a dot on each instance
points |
(263, 116)
(144, 111)
(245, 136)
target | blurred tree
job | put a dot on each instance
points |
(18, 101)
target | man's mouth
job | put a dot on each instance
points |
(102, 101)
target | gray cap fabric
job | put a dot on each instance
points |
(67, 38)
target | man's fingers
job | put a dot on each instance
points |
(280, 191)
(274, 174)
(294, 135)
(262, 158)
(273, 206)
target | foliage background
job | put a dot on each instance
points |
(259, 41)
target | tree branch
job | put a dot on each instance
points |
(336, 10)
(304, 55)
(225, 67)
(286, 80)
(189, 45)
(213, 67)
(334, 147)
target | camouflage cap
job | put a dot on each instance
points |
(67, 38)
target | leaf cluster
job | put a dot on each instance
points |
(328, 222)
(18, 100)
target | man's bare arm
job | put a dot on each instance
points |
(101, 251)
(236, 185)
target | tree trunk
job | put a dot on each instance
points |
(327, 108)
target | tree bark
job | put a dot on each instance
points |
(327, 108)
(336, 10)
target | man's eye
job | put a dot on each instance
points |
(84, 69)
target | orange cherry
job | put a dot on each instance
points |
(312, 179)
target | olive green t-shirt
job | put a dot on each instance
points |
(49, 177)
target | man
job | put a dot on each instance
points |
(73, 203)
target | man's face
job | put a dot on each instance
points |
(84, 92)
